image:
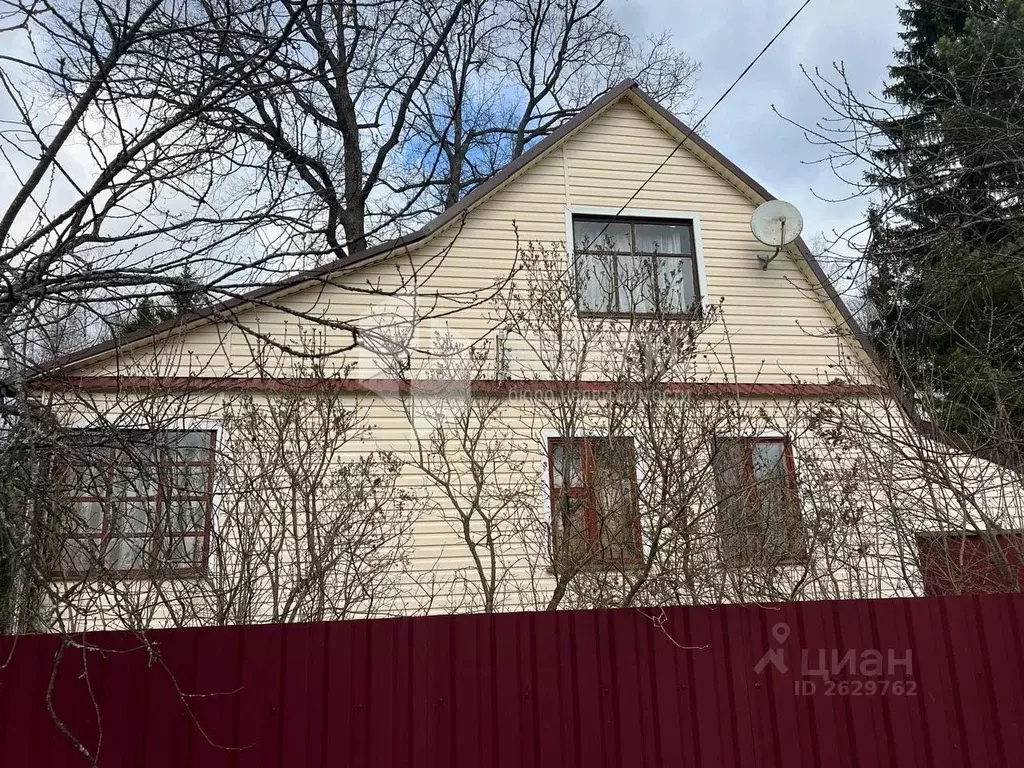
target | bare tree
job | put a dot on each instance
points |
(582, 461)
(127, 187)
(315, 524)
(642, 435)
(106, 184)
(936, 157)
(372, 115)
(511, 72)
(308, 521)
(104, 190)
(230, 144)
(333, 108)
(625, 512)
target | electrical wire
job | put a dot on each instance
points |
(707, 114)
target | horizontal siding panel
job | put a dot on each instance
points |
(771, 317)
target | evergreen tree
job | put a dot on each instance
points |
(948, 270)
(184, 297)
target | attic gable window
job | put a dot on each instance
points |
(134, 502)
(627, 267)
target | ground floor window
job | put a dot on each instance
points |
(758, 511)
(594, 512)
(134, 501)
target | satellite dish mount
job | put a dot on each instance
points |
(776, 224)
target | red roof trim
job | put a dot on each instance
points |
(479, 386)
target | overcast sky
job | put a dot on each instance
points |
(724, 35)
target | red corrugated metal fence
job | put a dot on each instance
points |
(927, 682)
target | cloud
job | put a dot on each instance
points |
(724, 37)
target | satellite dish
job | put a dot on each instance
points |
(776, 224)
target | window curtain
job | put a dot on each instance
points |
(776, 505)
(613, 499)
(662, 239)
(738, 531)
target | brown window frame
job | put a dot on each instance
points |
(796, 550)
(696, 306)
(119, 441)
(585, 492)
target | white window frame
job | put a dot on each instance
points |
(645, 213)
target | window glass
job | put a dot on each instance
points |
(602, 236)
(636, 285)
(663, 238)
(758, 514)
(89, 518)
(78, 555)
(88, 479)
(126, 554)
(186, 516)
(185, 480)
(134, 479)
(189, 446)
(634, 267)
(571, 528)
(183, 550)
(566, 465)
(737, 528)
(133, 518)
(675, 284)
(595, 519)
(596, 276)
(768, 456)
(614, 498)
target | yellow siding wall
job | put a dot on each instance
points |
(775, 327)
(439, 572)
(868, 491)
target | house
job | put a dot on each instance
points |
(577, 387)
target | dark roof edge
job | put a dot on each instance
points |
(754, 185)
(222, 310)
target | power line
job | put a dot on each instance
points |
(707, 114)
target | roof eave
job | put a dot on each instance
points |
(224, 310)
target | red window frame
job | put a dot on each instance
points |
(153, 539)
(796, 551)
(585, 491)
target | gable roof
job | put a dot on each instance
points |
(223, 310)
